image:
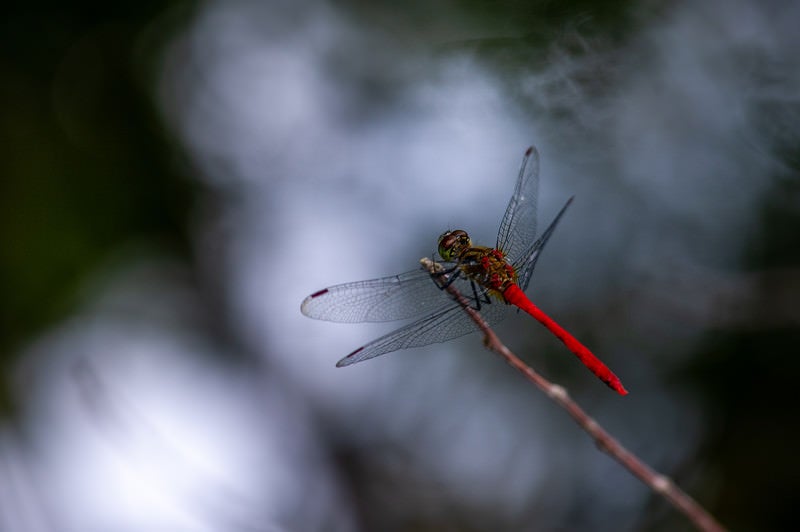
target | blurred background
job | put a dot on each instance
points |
(177, 177)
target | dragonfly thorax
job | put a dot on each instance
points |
(486, 266)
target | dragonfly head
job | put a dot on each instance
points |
(453, 243)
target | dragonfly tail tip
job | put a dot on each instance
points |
(617, 386)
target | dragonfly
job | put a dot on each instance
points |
(493, 280)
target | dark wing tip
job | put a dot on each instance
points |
(529, 151)
(304, 305)
(346, 361)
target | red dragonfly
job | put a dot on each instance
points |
(492, 279)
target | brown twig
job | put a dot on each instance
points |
(660, 484)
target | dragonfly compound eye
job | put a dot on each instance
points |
(452, 243)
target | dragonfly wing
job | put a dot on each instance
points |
(518, 228)
(398, 297)
(445, 324)
(531, 255)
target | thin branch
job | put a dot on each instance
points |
(660, 484)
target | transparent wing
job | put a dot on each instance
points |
(445, 324)
(518, 228)
(530, 256)
(398, 297)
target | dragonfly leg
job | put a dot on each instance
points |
(486, 298)
(475, 296)
(483, 298)
(453, 273)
